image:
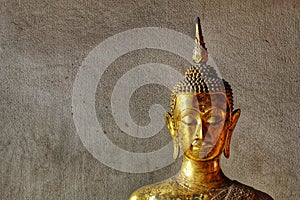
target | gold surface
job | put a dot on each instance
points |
(200, 54)
(201, 125)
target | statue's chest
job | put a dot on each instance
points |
(234, 192)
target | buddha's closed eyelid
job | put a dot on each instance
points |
(214, 120)
(215, 112)
(189, 120)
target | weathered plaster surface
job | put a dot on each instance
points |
(255, 44)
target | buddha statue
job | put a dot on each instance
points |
(201, 122)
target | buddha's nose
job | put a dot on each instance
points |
(199, 132)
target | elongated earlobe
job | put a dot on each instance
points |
(176, 148)
(170, 125)
(234, 120)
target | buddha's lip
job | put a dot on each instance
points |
(199, 143)
(202, 146)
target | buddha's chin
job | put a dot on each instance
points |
(200, 152)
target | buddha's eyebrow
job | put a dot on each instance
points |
(213, 108)
(186, 111)
(189, 109)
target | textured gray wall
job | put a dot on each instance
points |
(255, 44)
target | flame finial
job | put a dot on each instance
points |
(200, 54)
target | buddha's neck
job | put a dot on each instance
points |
(202, 174)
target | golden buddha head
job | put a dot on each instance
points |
(202, 119)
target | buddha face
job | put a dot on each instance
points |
(201, 124)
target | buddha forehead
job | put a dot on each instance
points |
(201, 101)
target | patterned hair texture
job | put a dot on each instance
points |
(202, 78)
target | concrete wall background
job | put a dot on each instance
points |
(255, 44)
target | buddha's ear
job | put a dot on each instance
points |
(169, 123)
(234, 119)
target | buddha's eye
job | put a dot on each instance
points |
(214, 120)
(189, 121)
